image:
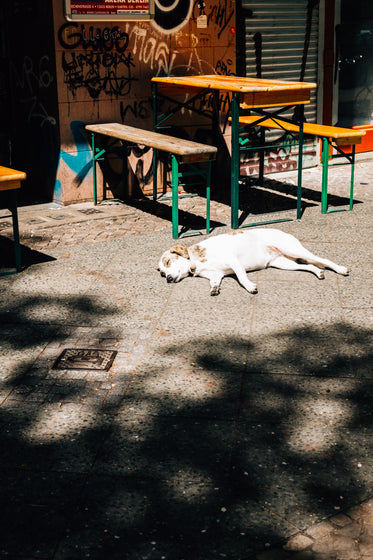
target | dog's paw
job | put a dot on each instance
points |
(215, 291)
(321, 274)
(253, 289)
(345, 271)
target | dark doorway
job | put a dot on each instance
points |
(355, 57)
(29, 130)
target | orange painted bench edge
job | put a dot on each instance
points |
(342, 136)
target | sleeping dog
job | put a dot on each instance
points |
(241, 251)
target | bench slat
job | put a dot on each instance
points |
(190, 151)
(342, 136)
(182, 151)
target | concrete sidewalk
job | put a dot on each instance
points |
(231, 427)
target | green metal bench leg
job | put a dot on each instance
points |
(155, 165)
(94, 170)
(17, 246)
(325, 169)
(96, 155)
(175, 196)
(155, 152)
(175, 176)
(352, 178)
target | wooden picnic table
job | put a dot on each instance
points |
(258, 95)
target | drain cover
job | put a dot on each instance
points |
(85, 358)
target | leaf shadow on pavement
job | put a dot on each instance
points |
(215, 448)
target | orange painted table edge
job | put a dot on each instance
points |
(10, 179)
(254, 92)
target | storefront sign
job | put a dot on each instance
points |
(109, 10)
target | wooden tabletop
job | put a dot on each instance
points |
(10, 178)
(233, 83)
(254, 92)
(7, 174)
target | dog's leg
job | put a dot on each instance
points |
(295, 250)
(287, 264)
(240, 272)
(312, 259)
(215, 283)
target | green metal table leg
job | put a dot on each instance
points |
(325, 168)
(300, 165)
(155, 153)
(175, 196)
(261, 156)
(208, 196)
(235, 161)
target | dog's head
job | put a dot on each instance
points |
(175, 264)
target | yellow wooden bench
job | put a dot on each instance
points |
(334, 136)
(181, 152)
(10, 183)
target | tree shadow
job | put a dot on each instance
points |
(29, 256)
(212, 449)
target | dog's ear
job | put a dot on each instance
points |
(180, 250)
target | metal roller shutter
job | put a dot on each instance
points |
(281, 42)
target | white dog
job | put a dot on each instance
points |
(241, 251)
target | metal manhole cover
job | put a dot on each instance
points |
(85, 358)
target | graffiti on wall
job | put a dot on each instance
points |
(102, 61)
(72, 36)
(138, 109)
(108, 62)
(33, 79)
(80, 163)
(220, 15)
(172, 16)
(107, 73)
(112, 72)
(283, 158)
(106, 66)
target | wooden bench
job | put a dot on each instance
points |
(333, 136)
(181, 152)
(10, 183)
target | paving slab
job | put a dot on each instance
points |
(233, 427)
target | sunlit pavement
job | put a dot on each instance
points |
(231, 427)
